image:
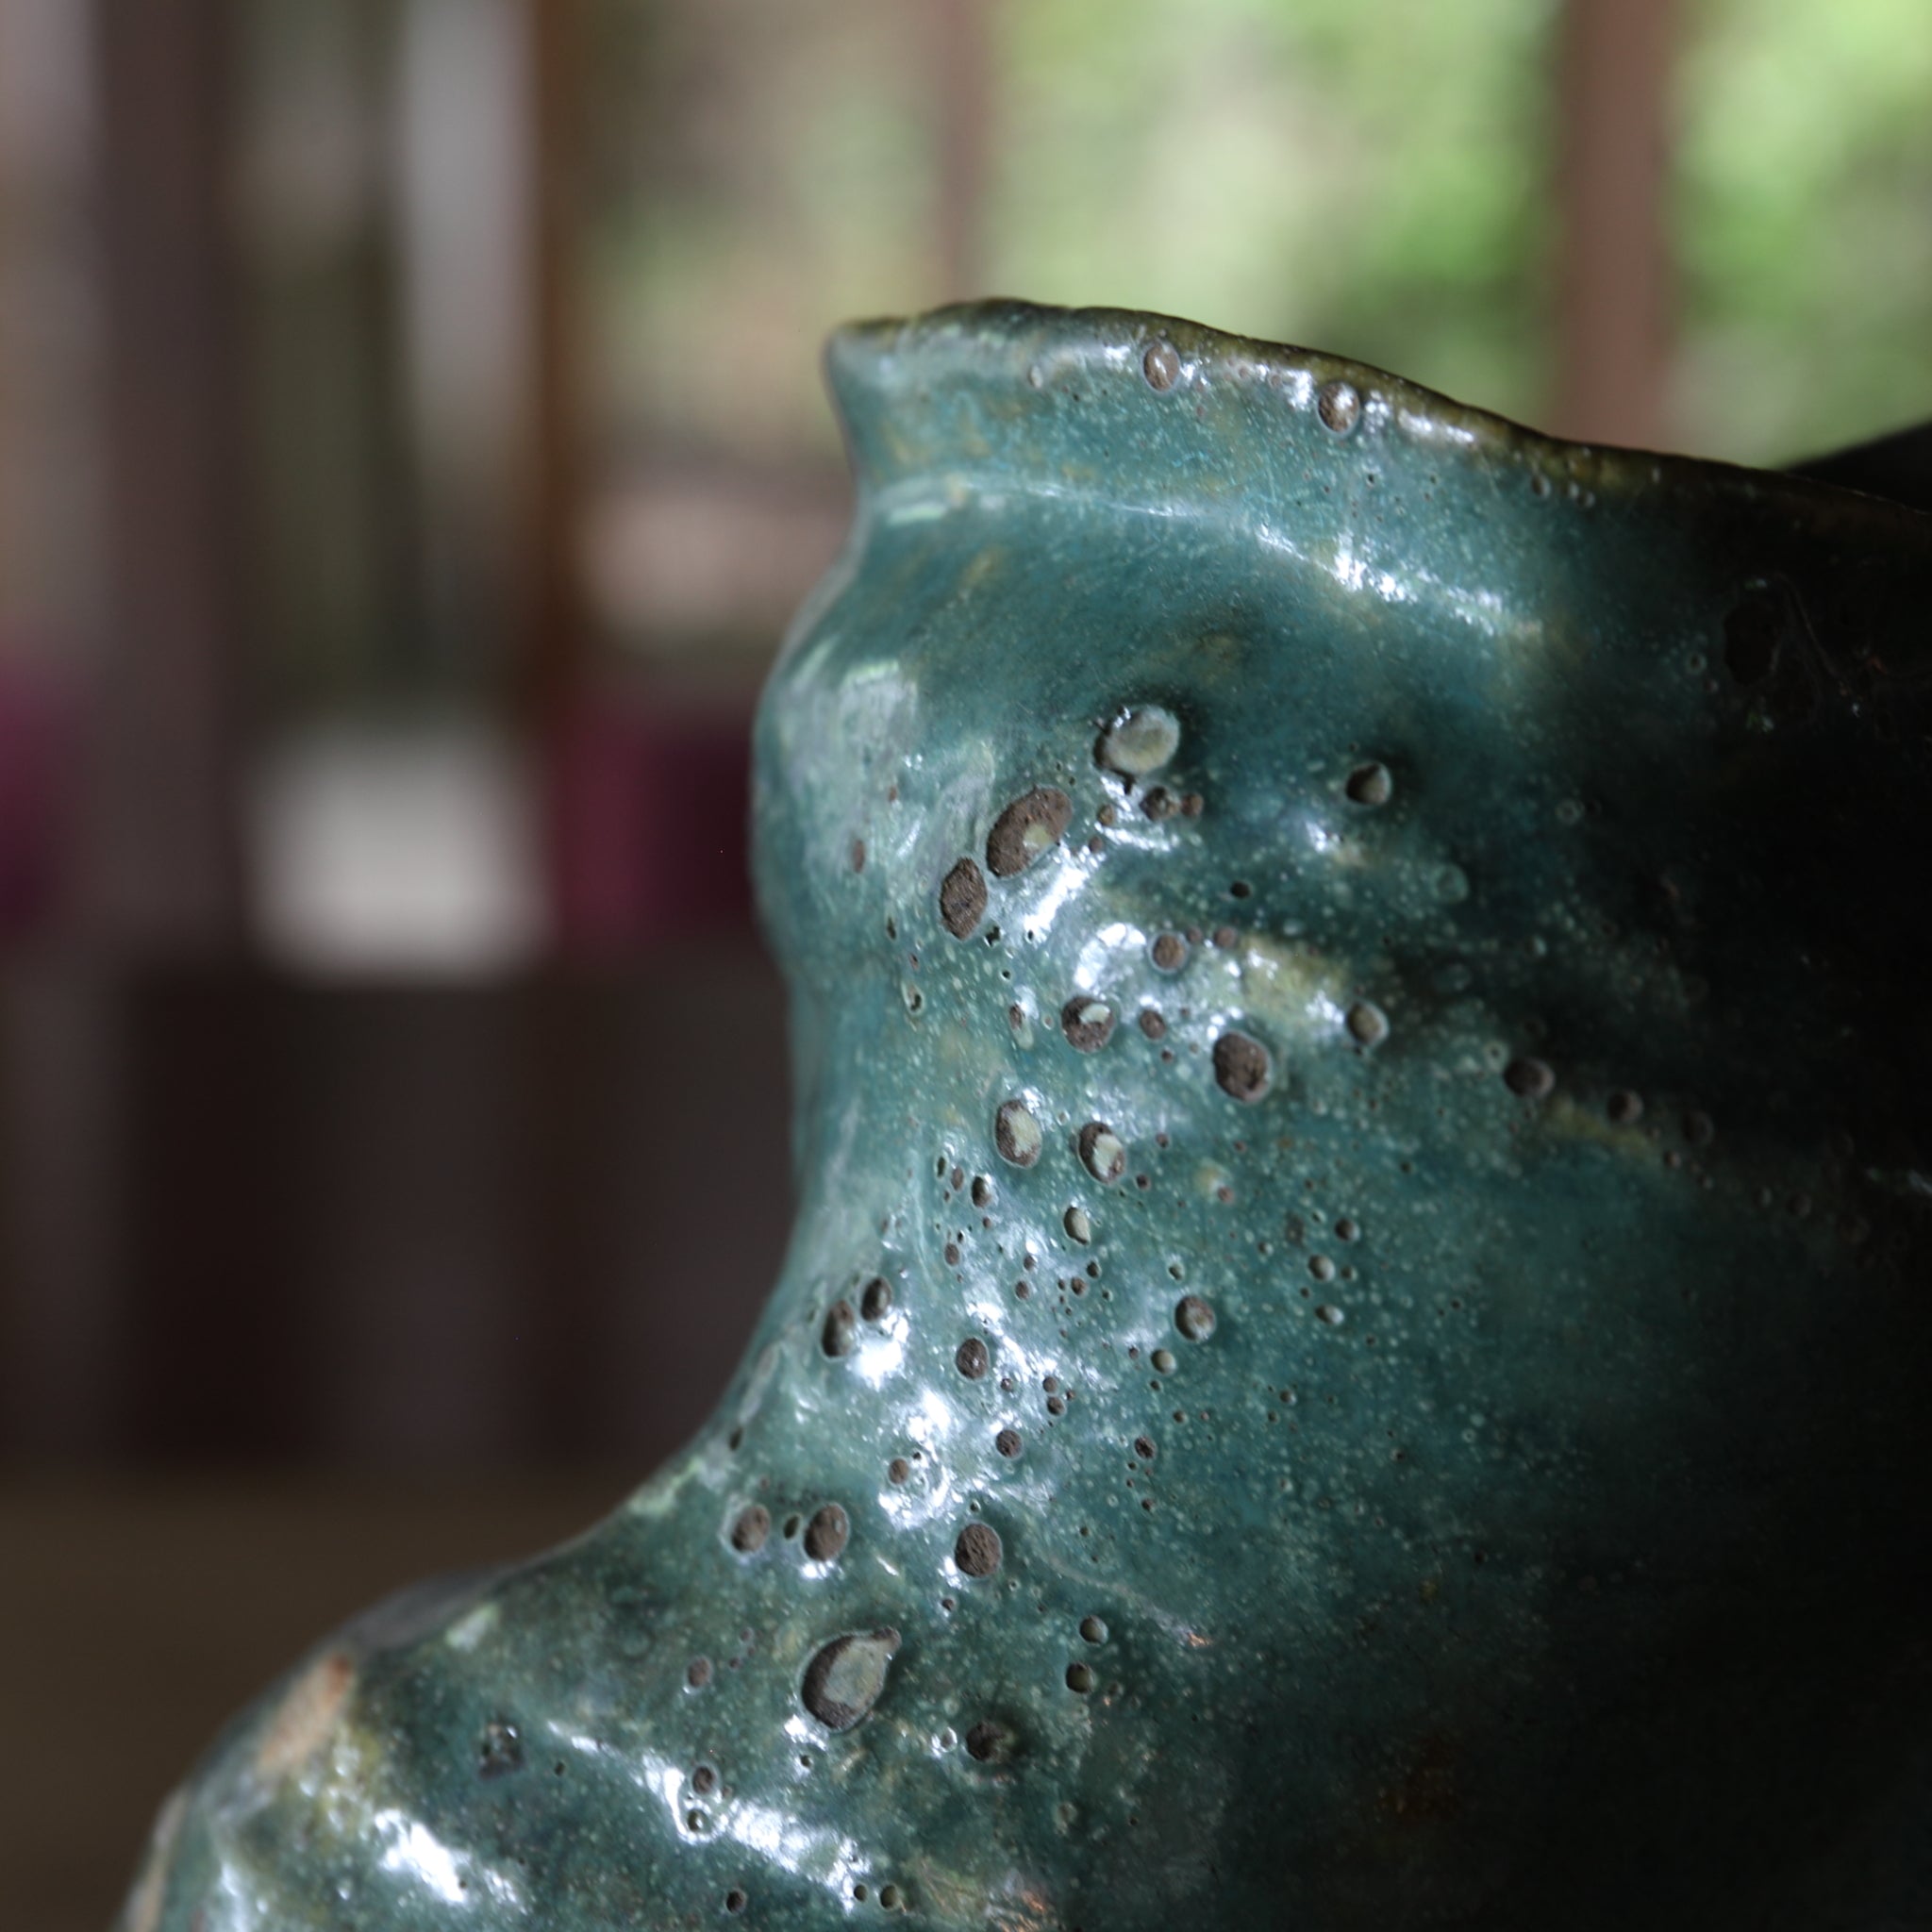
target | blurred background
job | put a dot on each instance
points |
(411, 448)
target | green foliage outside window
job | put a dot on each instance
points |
(1368, 176)
(1803, 224)
(1361, 175)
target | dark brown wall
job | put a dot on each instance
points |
(244, 1216)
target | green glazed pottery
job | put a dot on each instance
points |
(1355, 1351)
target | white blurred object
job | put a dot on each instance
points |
(471, 272)
(677, 558)
(385, 851)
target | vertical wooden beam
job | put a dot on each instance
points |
(1614, 286)
(210, 1365)
(64, 1327)
(962, 78)
(49, 437)
(161, 860)
(558, 633)
(62, 1312)
(337, 588)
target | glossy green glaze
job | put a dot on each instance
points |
(1356, 1349)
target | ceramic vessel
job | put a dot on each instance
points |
(1356, 1347)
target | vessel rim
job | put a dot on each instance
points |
(1000, 344)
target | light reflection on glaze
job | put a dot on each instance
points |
(1277, 542)
(1114, 945)
(457, 1877)
(235, 1906)
(1354, 572)
(1063, 886)
(781, 1843)
(924, 508)
(1423, 428)
(786, 1845)
(880, 1355)
(468, 1631)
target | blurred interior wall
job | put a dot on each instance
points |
(160, 861)
(243, 1216)
(311, 1142)
(409, 452)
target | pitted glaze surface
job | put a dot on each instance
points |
(1354, 1347)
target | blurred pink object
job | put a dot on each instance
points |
(649, 824)
(36, 737)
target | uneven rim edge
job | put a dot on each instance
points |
(986, 335)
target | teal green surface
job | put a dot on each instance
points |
(1394, 1185)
